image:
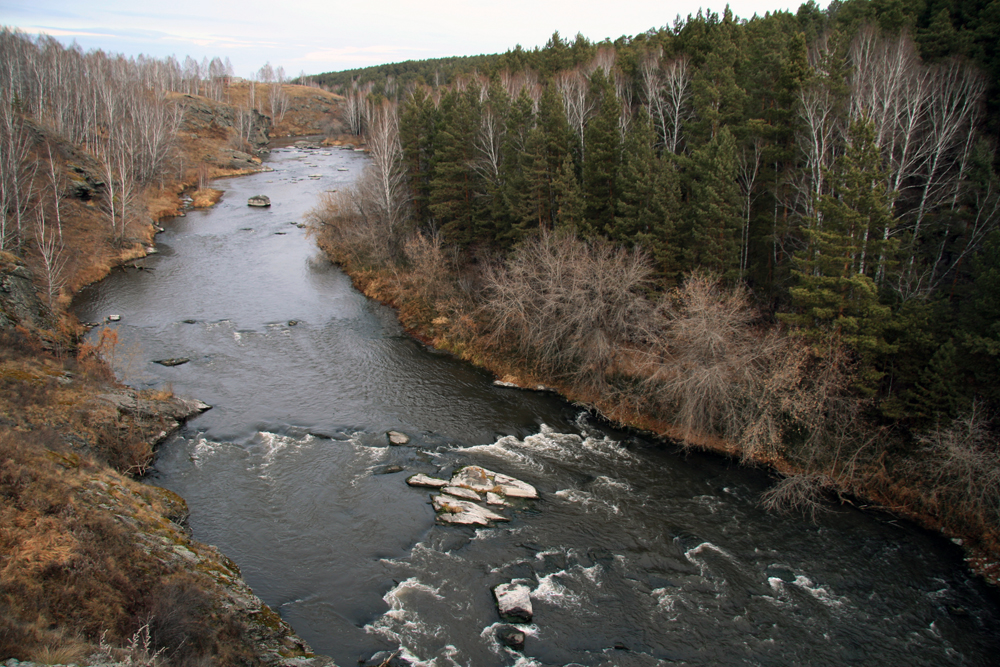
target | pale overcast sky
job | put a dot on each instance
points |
(321, 36)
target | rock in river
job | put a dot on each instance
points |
(514, 602)
(483, 480)
(420, 479)
(459, 492)
(259, 201)
(463, 512)
(511, 637)
(397, 438)
(172, 362)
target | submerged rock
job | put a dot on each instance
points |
(463, 512)
(172, 362)
(259, 201)
(510, 637)
(514, 602)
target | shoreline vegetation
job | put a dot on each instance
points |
(766, 238)
(96, 566)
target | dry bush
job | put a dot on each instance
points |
(798, 493)
(713, 369)
(569, 305)
(428, 267)
(960, 465)
(353, 227)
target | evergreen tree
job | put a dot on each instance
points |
(452, 196)
(713, 208)
(835, 292)
(718, 98)
(647, 197)
(417, 128)
(602, 155)
(937, 396)
(567, 196)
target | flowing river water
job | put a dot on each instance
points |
(636, 554)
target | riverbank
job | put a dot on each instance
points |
(92, 558)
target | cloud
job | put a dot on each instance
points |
(375, 52)
(60, 32)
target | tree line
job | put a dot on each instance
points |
(831, 173)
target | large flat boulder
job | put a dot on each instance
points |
(463, 512)
(483, 480)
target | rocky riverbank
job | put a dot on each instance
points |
(96, 567)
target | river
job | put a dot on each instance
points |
(637, 553)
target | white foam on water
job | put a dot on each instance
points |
(273, 444)
(400, 623)
(665, 600)
(551, 590)
(613, 483)
(820, 593)
(489, 637)
(501, 450)
(588, 500)
(693, 552)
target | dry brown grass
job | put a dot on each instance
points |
(73, 575)
(205, 198)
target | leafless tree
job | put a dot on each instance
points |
(819, 127)
(577, 101)
(962, 468)
(677, 90)
(747, 172)
(666, 88)
(15, 178)
(51, 258)
(386, 153)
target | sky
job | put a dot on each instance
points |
(315, 36)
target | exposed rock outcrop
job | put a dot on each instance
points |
(19, 302)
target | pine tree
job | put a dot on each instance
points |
(937, 396)
(835, 292)
(568, 197)
(647, 197)
(419, 119)
(452, 196)
(602, 156)
(713, 207)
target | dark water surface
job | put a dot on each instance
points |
(632, 544)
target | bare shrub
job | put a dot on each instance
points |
(798, 494)
(712, 371)
(961, 463)
(428, 266)
(353, 226)
(570, 305)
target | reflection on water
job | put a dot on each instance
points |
(632, 544)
